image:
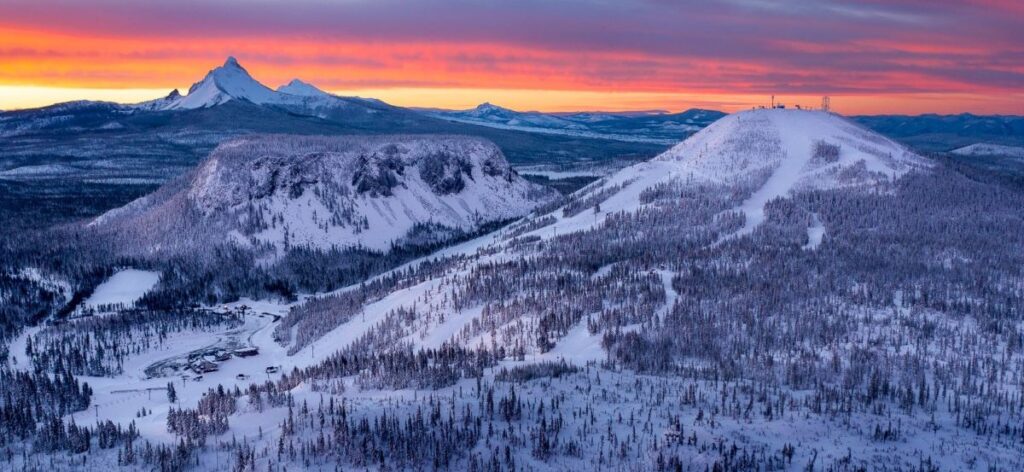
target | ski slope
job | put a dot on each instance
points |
(768, 152)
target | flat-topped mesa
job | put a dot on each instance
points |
(328, 192)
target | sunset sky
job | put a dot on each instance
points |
(874, 56)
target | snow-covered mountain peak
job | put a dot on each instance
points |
(303, 89)
(228, 82)
(489, 109)
(231, 81)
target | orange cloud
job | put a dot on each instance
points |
(42, 66)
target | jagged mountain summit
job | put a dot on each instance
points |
(227, 82)
(329, 192)
(232, 82)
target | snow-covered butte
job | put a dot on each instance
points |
(329, 192)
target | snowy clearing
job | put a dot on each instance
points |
(123, 288)
(815, 233)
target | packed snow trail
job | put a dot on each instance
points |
(670, 294)
(796, 149)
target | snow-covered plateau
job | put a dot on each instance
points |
(287, 192)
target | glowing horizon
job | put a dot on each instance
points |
(871, 57)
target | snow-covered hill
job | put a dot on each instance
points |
(762, 155)
(769, 153)
(988, 149)
(329, 192)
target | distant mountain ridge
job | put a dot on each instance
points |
(660, 128)
(942, 133)
(927, 132)
(985, 149)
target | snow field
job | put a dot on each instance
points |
(125, 287)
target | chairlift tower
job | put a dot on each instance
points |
(826, 103)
